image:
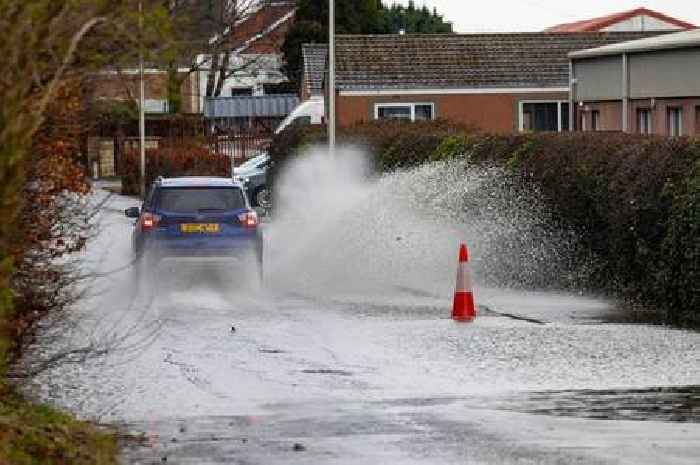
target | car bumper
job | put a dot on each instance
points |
(204, 248)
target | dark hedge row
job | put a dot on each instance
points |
(634, 201)
(168, 160)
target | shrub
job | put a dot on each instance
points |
(186, 158)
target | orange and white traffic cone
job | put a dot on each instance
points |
(463, 308)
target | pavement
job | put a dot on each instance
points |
(206, 367)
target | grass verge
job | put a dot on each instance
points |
(32, 434)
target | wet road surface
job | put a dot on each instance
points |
(207, 368)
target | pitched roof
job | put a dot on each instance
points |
(315, 57)
(598, 24)
(263, 30)
(683, 39)
(517, 60)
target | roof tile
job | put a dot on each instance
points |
(508, 60)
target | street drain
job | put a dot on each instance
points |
(327, 372)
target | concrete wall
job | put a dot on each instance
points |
(670, 73)
(598, 78)
(490, 112)
(657, 81)
(662, 74)
(642, 23)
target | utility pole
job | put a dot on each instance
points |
(142, 115)
(331, 77)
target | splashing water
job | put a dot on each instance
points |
(339, 229)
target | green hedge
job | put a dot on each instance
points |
(633, 201)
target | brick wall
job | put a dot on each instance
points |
(611, 114)
(125, 86)
(497, 113)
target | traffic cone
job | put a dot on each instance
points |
(463, 308)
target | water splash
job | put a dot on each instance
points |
(338, 228)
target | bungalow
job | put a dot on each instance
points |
(497, 82)
(647, 86)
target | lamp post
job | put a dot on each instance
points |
(142, 116)
(331, 77)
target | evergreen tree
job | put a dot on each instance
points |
(303, 32)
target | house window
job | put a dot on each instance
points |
(544, 116)
(595, 120)
(564, 112)
(675, 122)
(405, 111)
(644, 121)
(590, 120)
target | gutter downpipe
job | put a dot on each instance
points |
(572, 96)
(331, 78)
(625, 93)
(142, 110)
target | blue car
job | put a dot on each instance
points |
(195, 217)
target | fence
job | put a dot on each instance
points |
(237, 142)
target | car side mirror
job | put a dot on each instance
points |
(132, 212)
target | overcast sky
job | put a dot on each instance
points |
(535, 15)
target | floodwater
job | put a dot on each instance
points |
(347, 354)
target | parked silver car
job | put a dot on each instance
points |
(253, 175)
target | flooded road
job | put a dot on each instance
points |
(331, 363)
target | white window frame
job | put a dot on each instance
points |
(595, 122)
(521, 115)
(671, 110)
(411, 105)
(650, 123)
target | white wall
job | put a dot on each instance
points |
(256, 71)
(642, 23)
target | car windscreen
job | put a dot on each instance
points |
(198, 199)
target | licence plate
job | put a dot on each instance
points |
(193, 228)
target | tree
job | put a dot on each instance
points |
(303, 32)
(413, 20)
(48, 47)
(218, 32)
(352, 16)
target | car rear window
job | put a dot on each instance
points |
(196, 199)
